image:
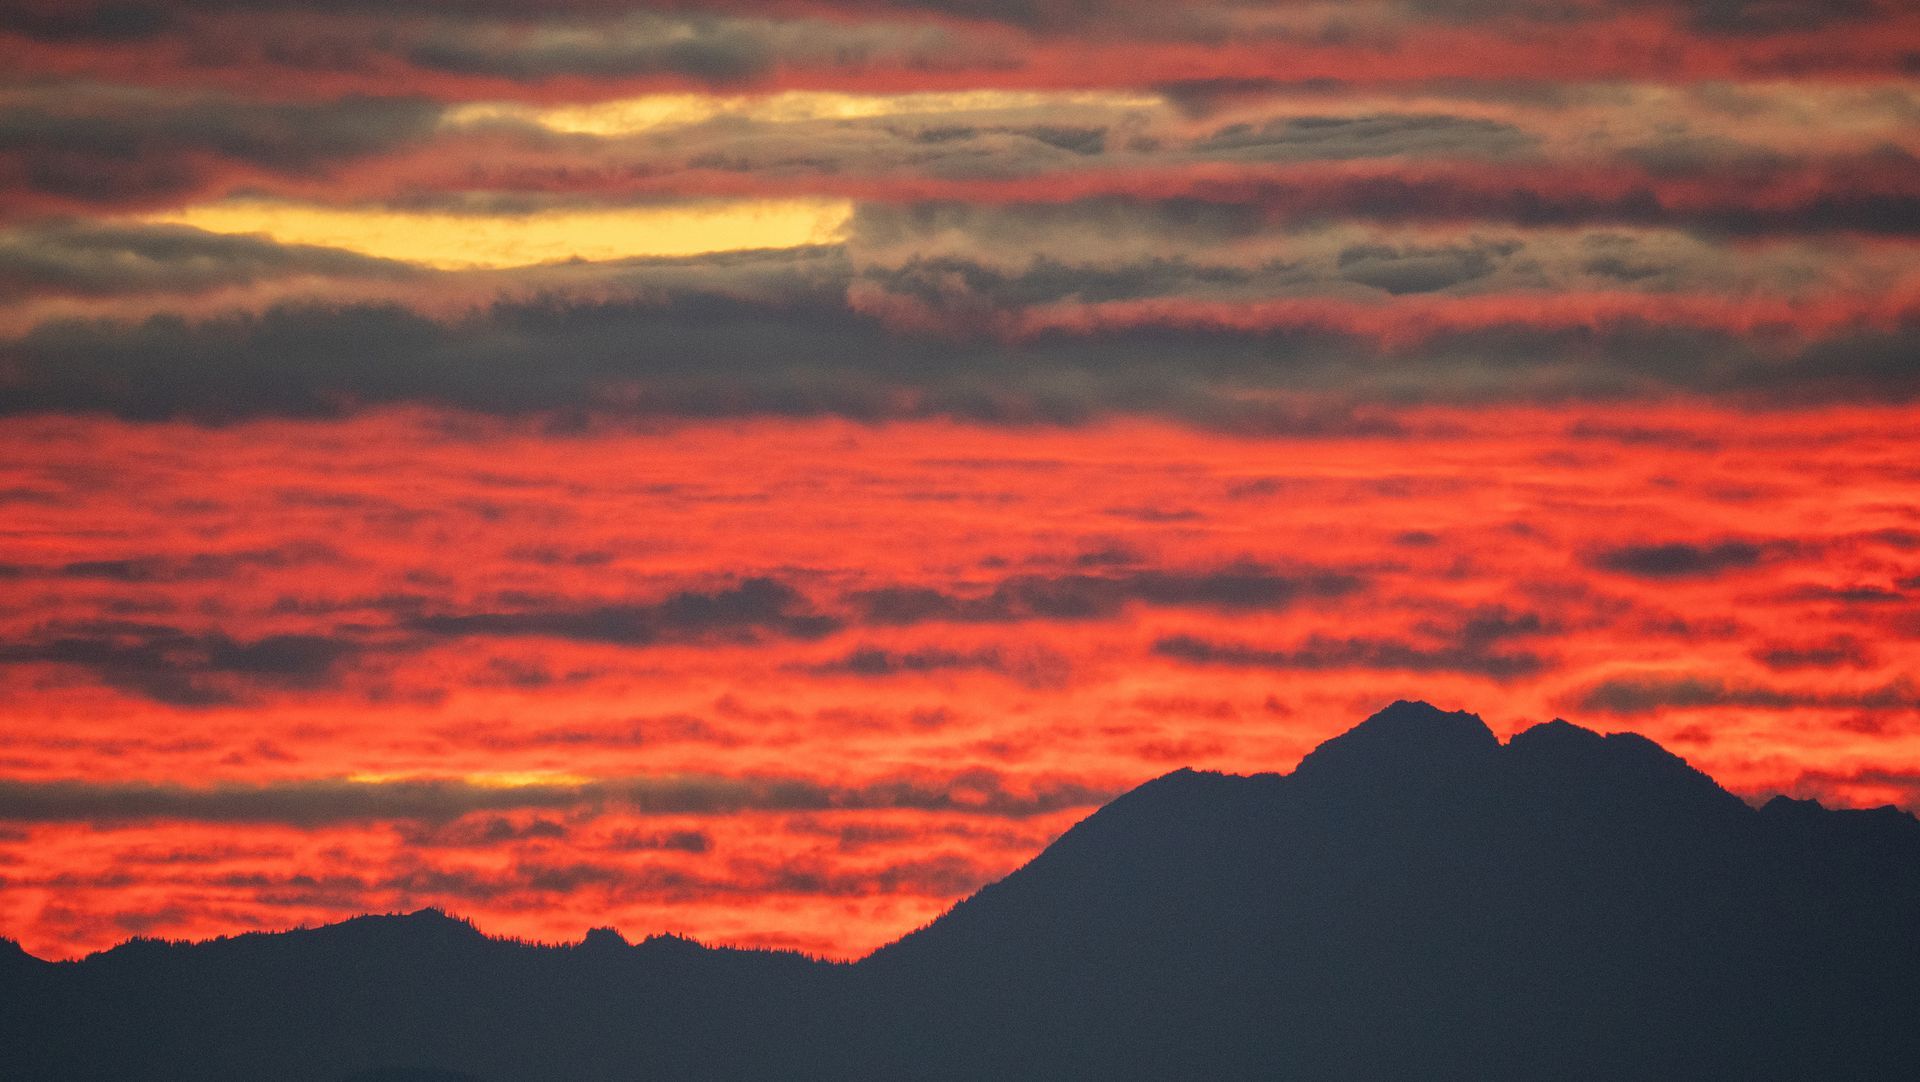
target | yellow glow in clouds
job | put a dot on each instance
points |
(628, 116)
(460, 241)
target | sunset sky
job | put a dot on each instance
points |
(761, 471)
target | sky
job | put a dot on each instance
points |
(762, 471)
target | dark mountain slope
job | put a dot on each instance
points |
(377, 994)
(1416, 900)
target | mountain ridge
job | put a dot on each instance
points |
(1416, 898)
(1555, 735)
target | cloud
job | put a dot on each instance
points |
(1682, 559)
(93, 259)
(1089, 597)
(1743, 17)
(758, 606)
(482, 831)
(1716, 17)
(1869, 193)
(1473, 646)
(739, 612)
(1837, 652)
(1341, 138)
(714, 49)
(85, 22)
(650, 731)
(196, 567)
(701, 356)
(536, 880)
(1032, 666)
(185, 668)
(1635, 695)
(1855, 788)
(1421, 270)
(679, 841)
(108, 146)
(317, 802)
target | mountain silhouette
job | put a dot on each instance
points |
(1416, 900)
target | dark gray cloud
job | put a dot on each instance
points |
(944, 875)
(198, 567)
(1200, 98)
(764, 606)
(1836, 201)
(210, 668)
(301, 803)
(965, 287)
(1032, 666)
(1861, 594)
(754, 607)
(84, 21)
(1714, 17)
(962, 145)
(1837, 652)
(1339, 138)
(629, 733)
(185, 668)
(1019, 257)
(680, 841)
(114, 145)
(1415, 269)
(800, 350)
(1638, 435)
(482, 831)
(120, 20)
(1691, 153)
(1091, 597)
(1476, 645)
(318, 802)
(878, 661)
(1839, 788)
(1633, 695)
(101, 260)
(1683, 559)
(717, 49)
(1744, 17)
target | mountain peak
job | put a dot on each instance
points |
(604, 939)
(1405, 740)
(420, 926)
(1626, 767)
(670, 943)
(434, 920)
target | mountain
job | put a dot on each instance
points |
(420, 996)
(1415, 900)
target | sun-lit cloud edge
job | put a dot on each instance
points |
(471, 241)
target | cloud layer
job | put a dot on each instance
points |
(805, 681)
